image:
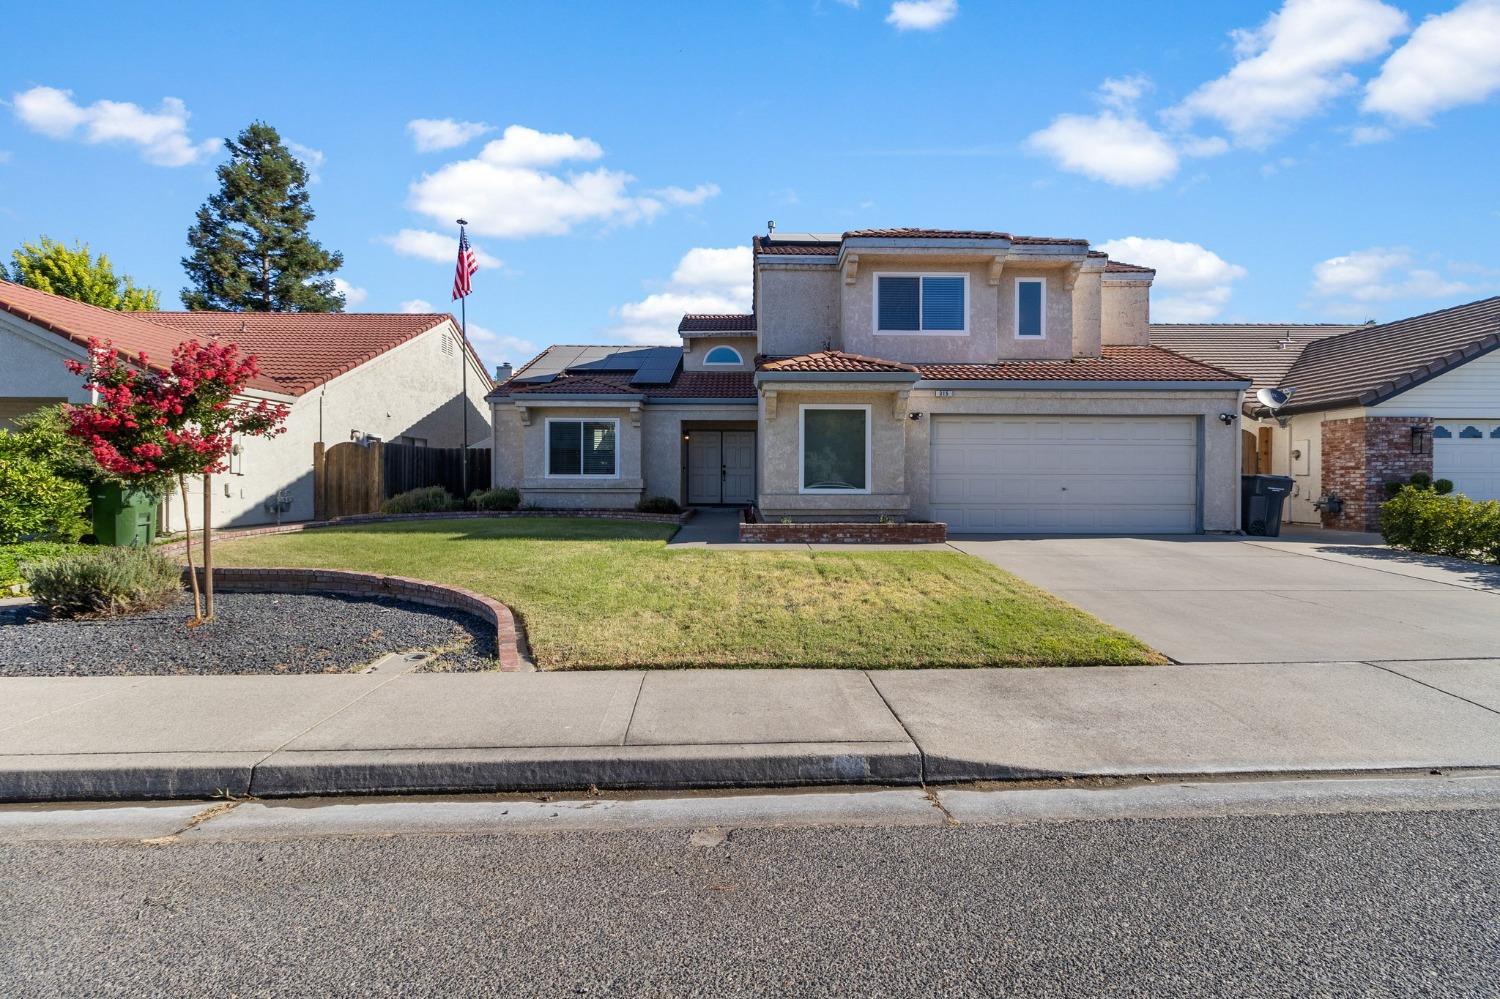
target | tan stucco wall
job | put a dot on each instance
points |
(797, 307)
(1125, 312)
(1087, 304)
(1221, 444)
(695, 349)
(780, 444)
(412, 390)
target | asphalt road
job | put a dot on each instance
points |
(1396, 904)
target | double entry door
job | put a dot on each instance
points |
(721, 466)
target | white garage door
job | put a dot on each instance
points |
(1468, 452)
(1065, 474)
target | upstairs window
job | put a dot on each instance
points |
(581, 447)
(723, 355)
(1031, 308)
(921, 303)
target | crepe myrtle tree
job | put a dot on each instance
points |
(150, 427)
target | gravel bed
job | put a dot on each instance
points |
(266, 633)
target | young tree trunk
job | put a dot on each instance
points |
(187, 533)
(208, 548)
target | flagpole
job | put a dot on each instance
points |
(463, 327)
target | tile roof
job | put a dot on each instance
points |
(1372, 363)
(833, 361)
(297, 351)
(1118, 363)
(792, 245)
(787, 248)
(1262, 352)
(1121, 267)
(687, 385)
(704, 322)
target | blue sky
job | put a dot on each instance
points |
(1311, 160)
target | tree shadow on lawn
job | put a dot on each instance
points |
(1477, 573)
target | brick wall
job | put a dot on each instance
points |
(866, 534)
(1360, 456)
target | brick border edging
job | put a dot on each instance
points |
(508, 636)
(844, 533)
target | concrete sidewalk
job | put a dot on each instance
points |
(113, 738)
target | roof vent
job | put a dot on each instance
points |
(771, 228)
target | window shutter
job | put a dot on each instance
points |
(1029, 308)
(943, 303)
(898, 303)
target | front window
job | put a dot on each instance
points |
(1031, 307)
(836, 449)
(921, 303)
(581, 447)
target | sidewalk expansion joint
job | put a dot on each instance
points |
(921, 753)
(1424, 683)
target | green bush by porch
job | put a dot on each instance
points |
(610, 594)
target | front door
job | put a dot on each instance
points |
(721, 466)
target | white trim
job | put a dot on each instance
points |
(802, 450)
(547, 449)
(1016, 326)
(875, 303)
(739, 359)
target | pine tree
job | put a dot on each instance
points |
(77, 274)
(251, 250)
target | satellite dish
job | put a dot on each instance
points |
(1274, 398)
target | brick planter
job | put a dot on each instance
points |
(852, 533)
(365, 584)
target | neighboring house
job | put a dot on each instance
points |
(393, 377)
(1371, 404)
(988, 381)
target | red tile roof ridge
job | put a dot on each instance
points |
(797, 361)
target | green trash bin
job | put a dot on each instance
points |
(125, 518)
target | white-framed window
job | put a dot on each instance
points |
(1031, 308)
(583, 449)
(724, 355)
(833, 451)
(922, 303)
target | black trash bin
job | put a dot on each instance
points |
(1261, 499)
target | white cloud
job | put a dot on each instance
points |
(492, 346)
(432, 134)
(1123, 92)
(353, 296)
(1291, 67)
(706, 279)
(312, 159)
(1365, 135)
(1192, 284)
(435, 246)
(921, 15)
(1349, 284)
(1116, 148)
(687, 196)
(505, 190)
(416, 305)
(1451, 59)
(161, 135)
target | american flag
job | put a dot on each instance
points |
(467, 265)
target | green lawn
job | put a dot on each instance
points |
(599, 594)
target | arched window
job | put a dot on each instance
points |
(723, 355)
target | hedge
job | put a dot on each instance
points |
(1424, 521)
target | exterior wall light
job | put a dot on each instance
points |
(1227, 419)
(1419, 438)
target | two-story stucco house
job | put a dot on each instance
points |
(992, 382)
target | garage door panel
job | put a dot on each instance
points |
(1065, 475)
(1472, 463)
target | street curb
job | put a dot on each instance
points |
(295, 773)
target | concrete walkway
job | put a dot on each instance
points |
(1303, 597)
(156, 737)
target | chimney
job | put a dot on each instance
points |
(503, 371)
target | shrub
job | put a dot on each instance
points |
(101, 581)
(428, 499)
(11, 557)
(658, 504)
(495, 499)
(1442, 486)
(1421, 480)
(36, 503)
(1422, 520)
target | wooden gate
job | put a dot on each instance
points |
(353, 478)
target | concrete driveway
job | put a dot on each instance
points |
(1304, 597)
